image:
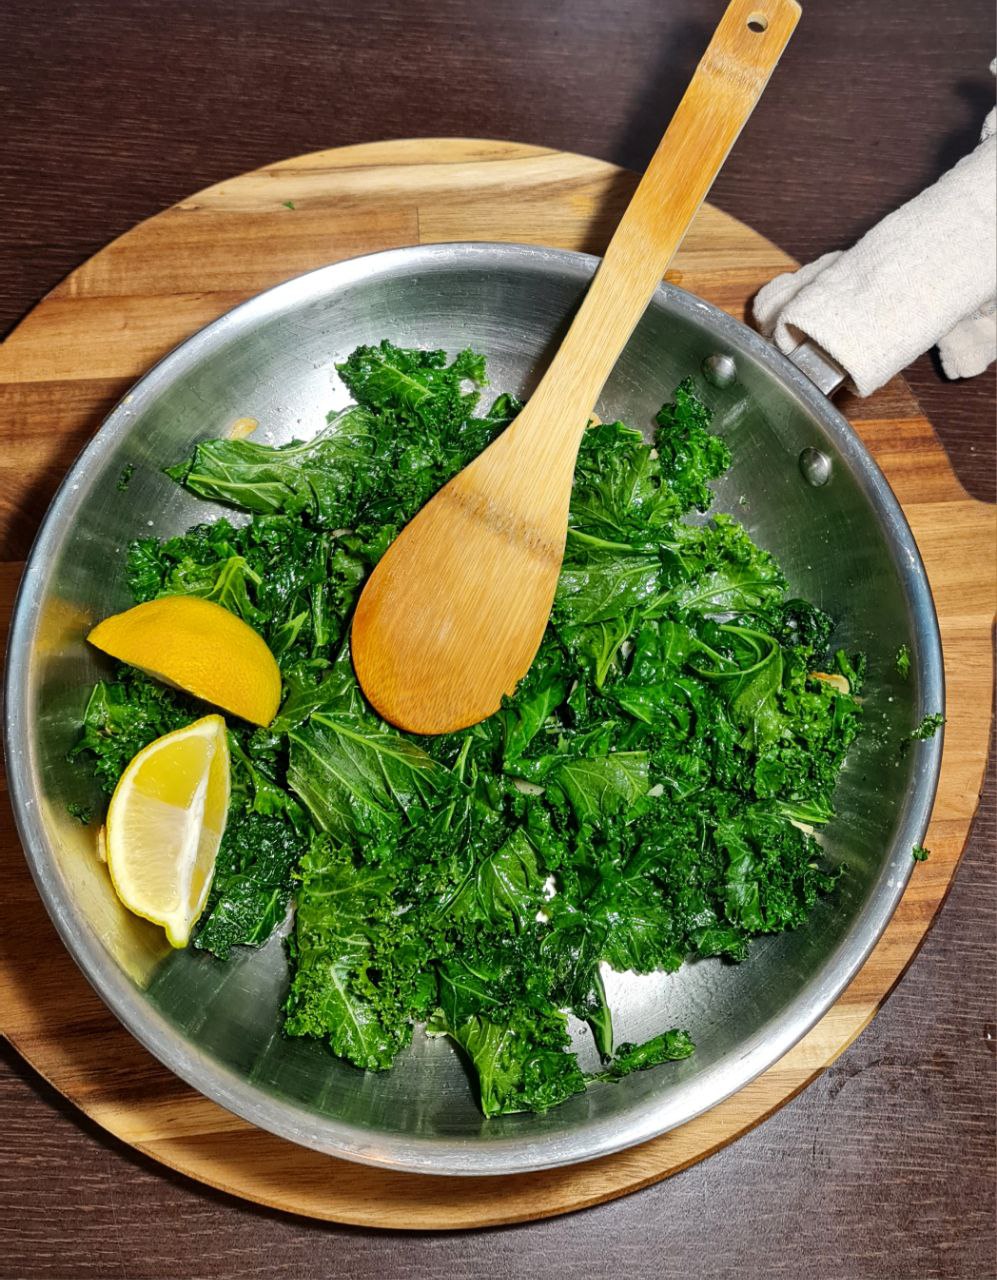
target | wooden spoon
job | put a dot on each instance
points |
(453, 614)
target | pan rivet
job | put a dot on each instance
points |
(815, 467)
(720, 370)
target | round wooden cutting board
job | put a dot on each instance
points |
(72, 358)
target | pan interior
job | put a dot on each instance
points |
(843, 545)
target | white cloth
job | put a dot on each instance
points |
(926, 274)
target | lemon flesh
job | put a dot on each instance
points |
(197, 646)
(165, 823)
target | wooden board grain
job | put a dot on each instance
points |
(70, 359)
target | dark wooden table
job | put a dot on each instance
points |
(113, 109)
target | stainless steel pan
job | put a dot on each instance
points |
(802, 483)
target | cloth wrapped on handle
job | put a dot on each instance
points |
(926, 274)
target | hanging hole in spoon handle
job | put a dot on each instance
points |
(758, 23)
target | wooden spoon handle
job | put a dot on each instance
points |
(727, 83)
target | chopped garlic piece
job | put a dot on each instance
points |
(839, 682)
(242, 427)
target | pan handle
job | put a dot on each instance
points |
(822, 370)
(923, 275)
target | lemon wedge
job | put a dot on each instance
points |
(165, 823)
(197, 646)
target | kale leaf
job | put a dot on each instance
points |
(344, 914)
(124, 715)
(322, 476)
(928, 727)
(252, 883)
(358, 778)
(671, 1046)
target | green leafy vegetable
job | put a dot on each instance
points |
(343, 912)
(322, 476)
(903, 662)
(928, 727)
(601, 787)
(357, 778)
(503, 890)
(668, 1047)
(124, 715)
(418, 383)
(252, 883)
(921, 854)
(520, 1065)
(649, 794)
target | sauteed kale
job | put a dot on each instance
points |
(650, 793)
